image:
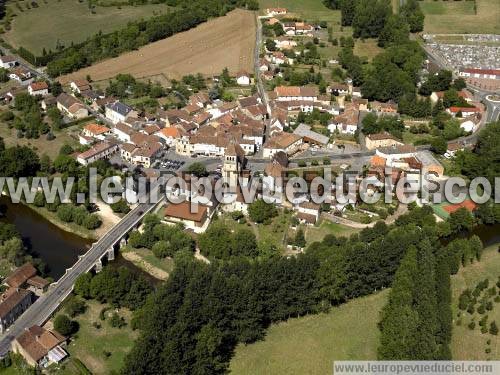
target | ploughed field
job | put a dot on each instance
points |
(227, 41)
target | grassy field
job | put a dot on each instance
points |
(90, 343)
(317, 233)
(309, 345)
(69, 21)
(459, 17)
(40, 145)
(273, 233)
(469, 344)
(227, 41)
(367, 48)
(311, 10)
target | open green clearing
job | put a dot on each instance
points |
(469, 344)
(309, 345)
(459, 17)
(41, 145)
(317, 233)
(311, 10)
(90, 343)
(67, 21)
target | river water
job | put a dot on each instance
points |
(57, 248)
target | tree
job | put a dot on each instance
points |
(64, 325)
(261, 212)
(370, 17)
(395, 31)
(461, 220)
(244, 243)
(410, 10)
(493, 328)
(65, 213)
(197, 169)
(439, 145)
(300, 239)
(92, 221)
(121, 206)
(214, 242)
(162, 249)
(82, 285)
(75, 306)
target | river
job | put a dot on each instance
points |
(57, 248)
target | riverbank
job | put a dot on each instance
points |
(146, 261)
(67, 227)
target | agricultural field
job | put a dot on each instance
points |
(310, 10)
(467, 344)
(227, 41)
(66, 21)
(461, 17)
(310, 344)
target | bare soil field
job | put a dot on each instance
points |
(227, 41)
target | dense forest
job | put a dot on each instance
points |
(185, 16)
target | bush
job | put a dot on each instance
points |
(120, 207)
(162, 249)
(493, 328)
(65, 213)
(472, 325)
(117, 321)
(92, 221)
(64, 325)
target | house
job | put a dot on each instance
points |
(453, 148)
(243, 78)
(38, 88)
(8, 61)
(123, 131)
(373, 141)
(13, 302)
(142, 150)
(286, 142)
(437, 95)
(264, 65)
(196, 220)
(310, 211)
(71, 106)
(389, 108)
(117, 112)
(356, 92)
(169, 135)
(480, 73)
(22, 75)
(276, 11)
(311, 137)
(338, 89)
(101, 150)
(345, 123)
(285, 43)
(302, 93)
(463, 111)
(96, 131)
(40, 347)
(78, 86)
(48, 101)
(273, 181)
(20, 276)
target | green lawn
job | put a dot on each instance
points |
(317, 233)
(148, 262)
(459, 17)
(90, 342)
(69, 21)
(273, 233)
(41, 145)
(469, 344)
(309, 345)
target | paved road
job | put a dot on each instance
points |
(47, 304)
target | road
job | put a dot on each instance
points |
(46, 305)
